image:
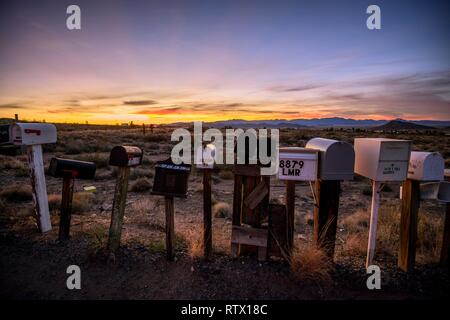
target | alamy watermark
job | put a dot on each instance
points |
(251, 147)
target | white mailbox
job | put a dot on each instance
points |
(382, 159)
(336, 158)
(439, 191)
(298, 164)
(205, 157)
(426, 166)
(28, 134)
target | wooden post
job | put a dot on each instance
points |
(408, 224)
(445, 249)
(290, 210)
(16, 117)
(66, 207)
(371, 244)
(207, 213)
(237, 207)
(326, 214)
(118, 209)
(170, 228)
(36, 163)
(143, 129)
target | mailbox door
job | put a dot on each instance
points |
(297, 166)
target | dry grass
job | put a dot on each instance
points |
(222, 210)
(17, 193)
(141, 185)
(194, 242)
(226, 175)
(81, 202)
(311, 264)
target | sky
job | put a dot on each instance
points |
(170, 61)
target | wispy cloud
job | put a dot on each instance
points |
(140, 102)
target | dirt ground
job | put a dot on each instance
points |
(33, 265)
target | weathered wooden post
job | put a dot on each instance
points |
(33, 136)
(69, 170)
(295, 164)
(380, 160)
(445, 249)
(205, 162)
(143, 129)
(122, 157)
(171, 180)
(423, 166)
(336, 163)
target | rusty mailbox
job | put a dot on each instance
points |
(171, 179)
(125, 156)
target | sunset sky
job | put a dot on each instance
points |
(169, 61)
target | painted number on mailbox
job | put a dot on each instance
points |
(293, 168)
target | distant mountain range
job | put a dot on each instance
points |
(402, 125)
(331, 122)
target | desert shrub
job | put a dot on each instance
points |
(17, 193)
(388, 229)
(156, 138)
(356, 222)
(226, 175)
(429, 237)
(81, 202)
(100, 160)
(194, 240)
(311, 264)
(355, 244)
(137, 173)
(11, 163)
(222, 210)
(104, 174)
(141, 185)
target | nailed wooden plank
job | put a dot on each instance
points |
(257, 195)
(249, 236)
(251, 170)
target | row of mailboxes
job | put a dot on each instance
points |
(378, 159)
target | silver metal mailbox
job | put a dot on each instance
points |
(382, 159)
(426, 166)
(336, 158)
(28, 134)
(439, 191)
(298, 164)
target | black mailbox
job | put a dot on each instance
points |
(59, 168)
(171, 179)
(125, 156)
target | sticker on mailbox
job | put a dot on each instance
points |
(134, 161)
(301, 167)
